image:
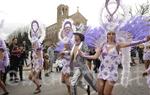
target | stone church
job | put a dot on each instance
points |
(62, 13)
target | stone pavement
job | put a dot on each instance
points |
(52, 86)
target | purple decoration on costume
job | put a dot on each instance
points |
(137, 26)
(39, 49)
(107, 61)
(115, 74)
(111, 14)
(37, 46)
(60, 44)
(40, 61)
(5, 61)
(111, 68)
(32, 26)
(59, 47)
(102, 67)
(103, 55)
(113, 57)
(67, 22)
(105, 73)
(67, 34)
(116, 63)
(92, 35)
(35, 32)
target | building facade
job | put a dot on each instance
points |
(62, 13)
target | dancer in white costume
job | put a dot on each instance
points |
(36, 37)
(65, 36)
(37, 66)
(4, 61)
(108, 71)
(65, 78)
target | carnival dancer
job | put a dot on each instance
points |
(65, 77)
(36, 36)
(37, 66)
(65, 36)
(110, 59)
(4, 61)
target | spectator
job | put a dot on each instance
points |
(140, 54)
(25, 53)
(46, 64)
(21, 62)
(14, 57)
(50, 52)
(133, 55)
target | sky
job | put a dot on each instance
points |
(18, 13)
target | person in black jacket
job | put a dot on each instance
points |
(21, 62)
(14, 57)
(25, 52)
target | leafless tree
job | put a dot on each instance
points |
(143, 9)
(20, 33)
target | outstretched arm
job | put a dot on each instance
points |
(134, 43)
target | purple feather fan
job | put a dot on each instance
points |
(92, 35)
(60, 44)
(59, 47)
(138, 27)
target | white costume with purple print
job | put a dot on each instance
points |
(109, 63)
(146, 55)
(35, 35)
(66, 65)
(37, 63)
(5, 61)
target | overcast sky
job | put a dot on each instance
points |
(21, 12)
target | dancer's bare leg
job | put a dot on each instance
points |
(147, 63)
(36, 80)
(108, 87)
(69, 89)
(2, 85)
(100, 86)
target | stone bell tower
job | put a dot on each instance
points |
(62, 13)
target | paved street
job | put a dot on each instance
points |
(53, 86)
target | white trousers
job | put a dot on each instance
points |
(77, 79)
